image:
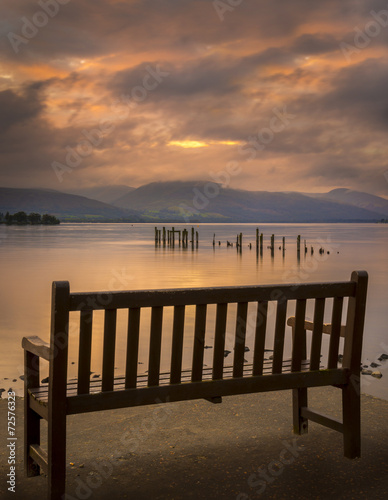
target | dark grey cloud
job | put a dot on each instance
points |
(19, 108)
(311, 44)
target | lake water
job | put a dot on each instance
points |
(94, 257)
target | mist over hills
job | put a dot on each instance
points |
(212, 203)
(106, 194)
(195, 201)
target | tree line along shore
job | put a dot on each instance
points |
(32, 219)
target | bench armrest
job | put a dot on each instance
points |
(37, 346)
(309, 325)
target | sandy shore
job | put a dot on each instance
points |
(199, 450)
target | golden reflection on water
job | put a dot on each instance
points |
(95, 257)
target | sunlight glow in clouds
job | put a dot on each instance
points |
(225, 77)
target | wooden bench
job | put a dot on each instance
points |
(62, 397)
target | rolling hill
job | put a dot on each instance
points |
(195, 201)
(67, 207)
(359, 199)
(209, 202)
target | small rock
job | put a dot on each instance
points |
(5, 378)
(271, 357)
(366, 372)
(374, 365)
(14, 380)
(377, 374)
(208, 347)
(96, 376)
(1, 391)
(226, 353)
(246, 349)
(73, 362)
(21, 377)
(365, 366)
(383, 357)
(44, 380)
(82, 466)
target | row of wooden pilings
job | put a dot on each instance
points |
(170, 236)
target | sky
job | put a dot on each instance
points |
(259, 95)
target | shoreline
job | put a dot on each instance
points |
(193, 448)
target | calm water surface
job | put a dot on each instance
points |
(123, 256)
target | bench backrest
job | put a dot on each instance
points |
(64, 302)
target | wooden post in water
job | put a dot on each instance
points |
(298, 243)
(196, 238)
(272, 242)
(164, 236)
(284, 243)
(257, 237)
(156, 234)
(240, 242)
(214, 239)
(261, 242)
(305, 247)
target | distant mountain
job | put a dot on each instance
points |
(209, 202)
(197, 202)
(62, 205)
(359, 199)
(107, 194)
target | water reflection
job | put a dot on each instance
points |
(124, 256)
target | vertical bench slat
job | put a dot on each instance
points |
(219, 341)
(57, 404)
(177, 344)
(132, 347)
(108, 359)
(85, 351)
(239, 342)
(299, 340)
(335, 332)
(316, 341)
(199, 342)
(280, 327)
(261, 327)
(155, 345)
(31, 419)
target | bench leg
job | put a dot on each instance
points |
(299, 400)
(351, 413)
(31, 436)
(56, 457)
